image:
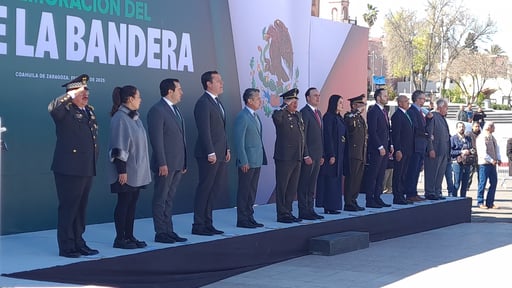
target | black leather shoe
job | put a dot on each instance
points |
(215, 231)
(70, 254)
(382, 203)
(285, 220)
(139, 243)
(431, 197)
(256, 223)
(400, 201)
(245, 224)
(177, 238)
(202, 232)
(317, 216)
(164, 238)
(372, 204)
(307, 217)
(86, 251)
(124, 244)
(441, 197)
(334, 212)
(295, 219)
(351, 208)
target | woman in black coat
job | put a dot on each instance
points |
(329, 182)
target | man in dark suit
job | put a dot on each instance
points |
(357, 137)
(379, 147)
(211, 151)
(438, 148)
(166, 128)
(74, 164)
(403, 143)
(288, 154)
(313, 155)
(250, 155)
(419, 118)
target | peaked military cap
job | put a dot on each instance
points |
(357, 99)
(290, 94)
(78, 82)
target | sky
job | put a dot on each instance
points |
(479, 8)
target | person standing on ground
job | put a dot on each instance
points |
(488, 160)
(313, 155)
(74, 164)
(128, 170)
(250, 155)
(166, 129)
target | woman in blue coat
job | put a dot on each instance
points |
(329, 182)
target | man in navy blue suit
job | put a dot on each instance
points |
(419, 118)
(211, 151)
(403, 143)
(379, 147)
(250, 155)
(313, 155)
(166, 128)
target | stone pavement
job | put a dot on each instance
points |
(473, 254)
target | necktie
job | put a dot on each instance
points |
(317, 116)
(385, 116)
(408, 117)
(220, 106)
(175, 109)
(258, 121)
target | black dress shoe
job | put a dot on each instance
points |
(372, 204)
(382, 203)
(256, 223)
(334, 212)
(431, 197)
(317, 216)
(124, 244)
(139, 243)
(215, 231)
(245, 224)
(351, 208)
(401, 201)
(202, 232)
(164, 238)
(307, 217)
(285, 219)
(70, 254)
(86, 251)
(177, 238)
(295, 219)
(441, 197)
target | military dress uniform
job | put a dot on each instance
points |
(288, 155)
(74, 165)
(357, 139)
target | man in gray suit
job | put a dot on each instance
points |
(438, 151)
(250, 155)
(313, 155)
(166, 129)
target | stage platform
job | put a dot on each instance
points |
(31, 259)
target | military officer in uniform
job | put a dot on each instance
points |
(288, 154)
(74, 164)
(357, 137)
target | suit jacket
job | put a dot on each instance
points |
(167, 136)
(440, 138)
(289, 135)
(419, 124)
(76, 150)
(402, 132)
(211, 128)
(378, 129)
(312, 132)
(248, 143)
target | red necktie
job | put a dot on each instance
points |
(318, 117)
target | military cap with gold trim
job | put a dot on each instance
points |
(290, 94)
(357, 99)
(78, 82)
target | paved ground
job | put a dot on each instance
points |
(473, 254)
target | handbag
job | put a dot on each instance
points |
(469, 159)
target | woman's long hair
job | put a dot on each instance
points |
(333, 103)
(121, 95)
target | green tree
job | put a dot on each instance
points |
(370, 17)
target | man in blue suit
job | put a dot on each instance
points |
(403, 143)
(379, 148)
(166, 129)
(212, 152)
(250, 155)
(419, 118)
(313, 155)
